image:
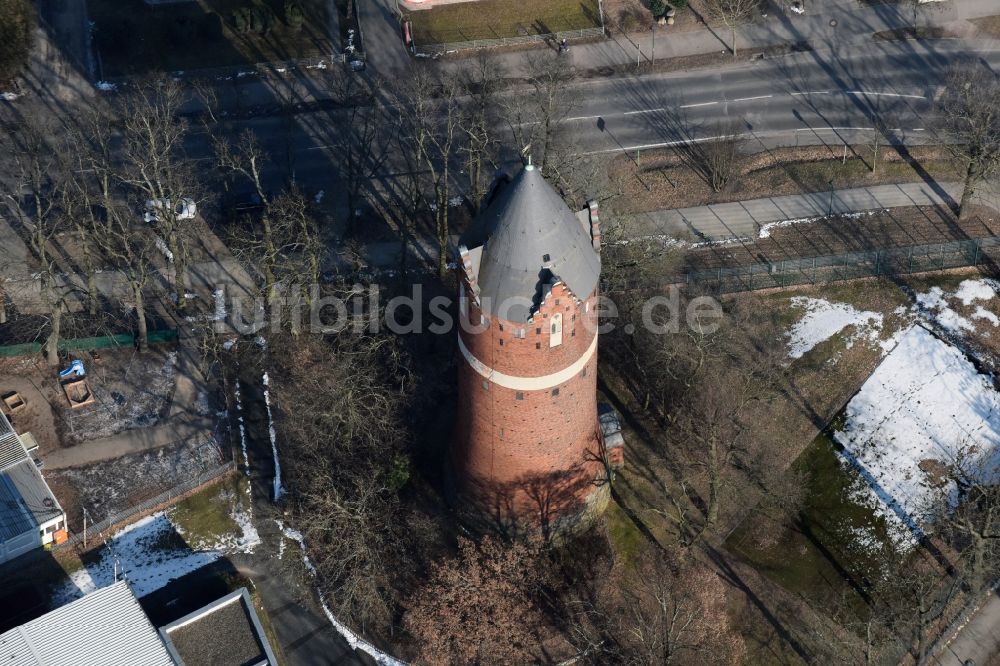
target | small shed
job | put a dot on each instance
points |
(611, 435)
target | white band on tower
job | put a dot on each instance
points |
(528, 383)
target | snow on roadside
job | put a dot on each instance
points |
(922, 408)
(355, 641)
(823, 320)
(243, 428)
(767, 228)
(279, 490)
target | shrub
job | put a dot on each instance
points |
(658, 7)
(293, 14)
(17, 33)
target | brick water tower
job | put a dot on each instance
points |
(527, 449)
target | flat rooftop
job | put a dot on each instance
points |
(226, 632)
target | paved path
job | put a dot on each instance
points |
(978, 641)
(128, 442)
(745, 218)
(833, 23)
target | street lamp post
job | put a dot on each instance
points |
(829, 210)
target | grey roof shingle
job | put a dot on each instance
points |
(526, 221)
(104, 628)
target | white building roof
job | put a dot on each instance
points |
(26, 501)
(104, 628)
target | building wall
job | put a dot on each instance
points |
(19, 545)
(529, 450)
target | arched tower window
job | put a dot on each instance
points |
(555, 339)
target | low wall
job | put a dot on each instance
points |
(438, 49)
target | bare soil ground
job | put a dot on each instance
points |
(663, 181)
(897, 227)
(132, 391)
(113, 486)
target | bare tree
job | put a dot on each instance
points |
(339, 402)
(481, 607)
(35, 198)
(130, 251)
(676, 614)
(535, 120)
(733, 13)
(362, 136)
(155, 164)
(968, 123)
(429, 108)
(483, 82)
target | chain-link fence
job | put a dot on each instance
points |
(93, 532)
(834, 268)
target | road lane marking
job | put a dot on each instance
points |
(691, 106)
(877, 94)
(633, 113)
(747, 99)
(815, 92)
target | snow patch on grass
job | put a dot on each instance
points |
(921, 409)
(935, 305)
(823, 320)
(149, 553)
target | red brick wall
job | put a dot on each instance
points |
(508, 452)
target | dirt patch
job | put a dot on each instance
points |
(113, 486)
(36, 416)
(132, 390)
(987, 25)
(930, 32)
(662, 179)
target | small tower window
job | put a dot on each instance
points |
(520, 395)
(555, 392)
(538, 345)
(555, 339)
(538, 331)
(546, 258)
(586, 306)
(501, 327)
(501, 342)
(486, 385)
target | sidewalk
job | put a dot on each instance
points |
(977, 642)
(832, 23)
(743, 219)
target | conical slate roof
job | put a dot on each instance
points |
(528, 235)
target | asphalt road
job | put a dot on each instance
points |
(805, 98)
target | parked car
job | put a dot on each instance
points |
(185, 209)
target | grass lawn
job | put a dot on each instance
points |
(206, 518)
(134, 38)
(987, 25)
(493, 19)
(832, 552)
